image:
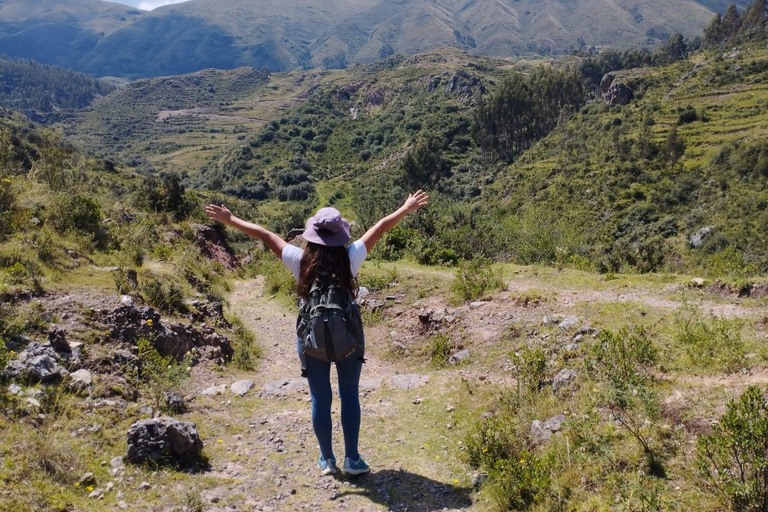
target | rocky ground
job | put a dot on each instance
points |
(256, 425)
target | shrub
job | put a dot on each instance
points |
(7, 207)
(530, 368)
(623, 362)
(715, 343)
(246, 351)
(79, 213)
(474, 278)
(518, 478)
(439, 349)
(163, 295)
(734, 459)
(159, 374)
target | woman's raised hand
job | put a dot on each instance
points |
(218, 213)
(416, 201)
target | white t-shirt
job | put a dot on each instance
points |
(292, 257)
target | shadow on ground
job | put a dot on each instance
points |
(401, 490)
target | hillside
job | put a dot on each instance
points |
(104, 39)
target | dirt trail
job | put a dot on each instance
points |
(273, 463)
(406, 433)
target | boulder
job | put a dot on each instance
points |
(175, 402)
(564, 378)
(57, 339)
(80, 379)
(698, 237)
(459, 356)
(614, 91)
(158, 438)
(242, 387)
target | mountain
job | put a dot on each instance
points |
(105, 39)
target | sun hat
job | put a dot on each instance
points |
(327, 227)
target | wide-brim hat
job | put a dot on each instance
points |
(327, 227)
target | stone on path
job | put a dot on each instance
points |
(162, 437)
(282, 387)
(214, 390)
(459, 356)
(241, 387)
(409, 380)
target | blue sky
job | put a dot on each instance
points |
(147, 5)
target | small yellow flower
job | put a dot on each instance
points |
(426, 444)
(149, 322)
(12, 352)
(437, 456)
(455, 480)
(6, 180)
(90, 487)
(219, 441)
(522, 461)
(77, 484)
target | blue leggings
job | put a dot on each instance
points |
(319, 380)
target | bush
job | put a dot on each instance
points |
(518, 478)
(530, 369)
(734, 459)
(158, 375)
(163, 295)
(7, 207)
(76, 213)
(712, 344)
(246, 351)
(439, 349)
(473, 279)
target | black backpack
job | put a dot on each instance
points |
(329, 325)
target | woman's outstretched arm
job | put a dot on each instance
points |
(413, 203)
(223, 215)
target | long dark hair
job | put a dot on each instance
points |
(332, 262)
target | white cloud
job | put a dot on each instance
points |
(147, 5)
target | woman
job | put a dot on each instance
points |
(326, 234)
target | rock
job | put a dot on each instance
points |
(80, 379)
(477, 304)
(96, 494)
(15, 389)
(175, 402)
(57, 339)
(162, 437)
(697, 239)
(459, 356)
(33, 402)
(399, 348)
(116, 462)
(146, 410)
(370, 384)
(214, 390)
(540, 432)
(87, 479)
(241, 387)
(613, 91)
(568, 323)
(418, 400)
(555, 423)
(214, 246)
(698, 282)
(409, 381)
(479, 479)
(145, 486)
(282, 387)
(564, 378)
(551, 320)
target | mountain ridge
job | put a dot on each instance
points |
(105, 39)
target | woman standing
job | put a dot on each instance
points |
(326, 234)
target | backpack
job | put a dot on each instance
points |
(329, 325)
